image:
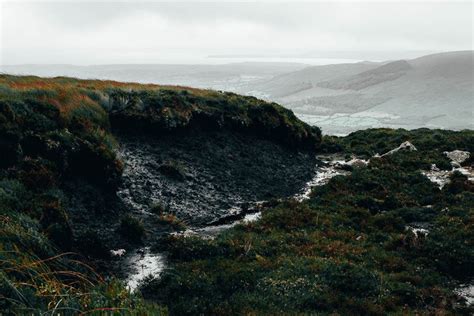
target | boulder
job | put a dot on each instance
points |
(405, 146)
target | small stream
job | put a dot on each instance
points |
(143, 263)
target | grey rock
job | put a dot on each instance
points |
(457, 156)
(405, 146)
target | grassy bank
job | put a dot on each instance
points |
(57, 131)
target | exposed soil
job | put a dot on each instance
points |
(204, 176)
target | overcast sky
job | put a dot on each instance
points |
(151, 32)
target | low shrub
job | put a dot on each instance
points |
(132, 229)
(171, 221)
(351, 279)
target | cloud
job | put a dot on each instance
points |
(129, 32)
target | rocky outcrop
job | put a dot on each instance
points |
(405, 146)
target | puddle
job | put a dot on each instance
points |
(322, 176)
(141, 264)
(467, 292)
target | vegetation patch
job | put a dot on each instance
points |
(57, 148)
(349, 249)
(132, 229)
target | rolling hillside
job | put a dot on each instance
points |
(430, 91)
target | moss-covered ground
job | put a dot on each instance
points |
(348, 249)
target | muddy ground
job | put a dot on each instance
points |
(200, 176)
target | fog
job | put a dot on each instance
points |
(189, 32)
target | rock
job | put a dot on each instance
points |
(455, 164)
(457, 156)
(344, 166)
(405, 146)
(439, 177)
(351, 164)
(357, 163)
(118, 252)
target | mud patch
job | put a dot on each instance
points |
(201, 176)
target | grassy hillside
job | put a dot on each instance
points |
(54, 131)
(346, 250)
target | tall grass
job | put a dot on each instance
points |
(64, 285)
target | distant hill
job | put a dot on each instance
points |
(430, 91)
(387, 72)
(308, 78)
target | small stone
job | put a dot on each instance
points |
(118, 252)
(434, 167)
(357, 163)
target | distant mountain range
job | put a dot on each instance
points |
(431, 91)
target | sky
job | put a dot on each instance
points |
(113, 32)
